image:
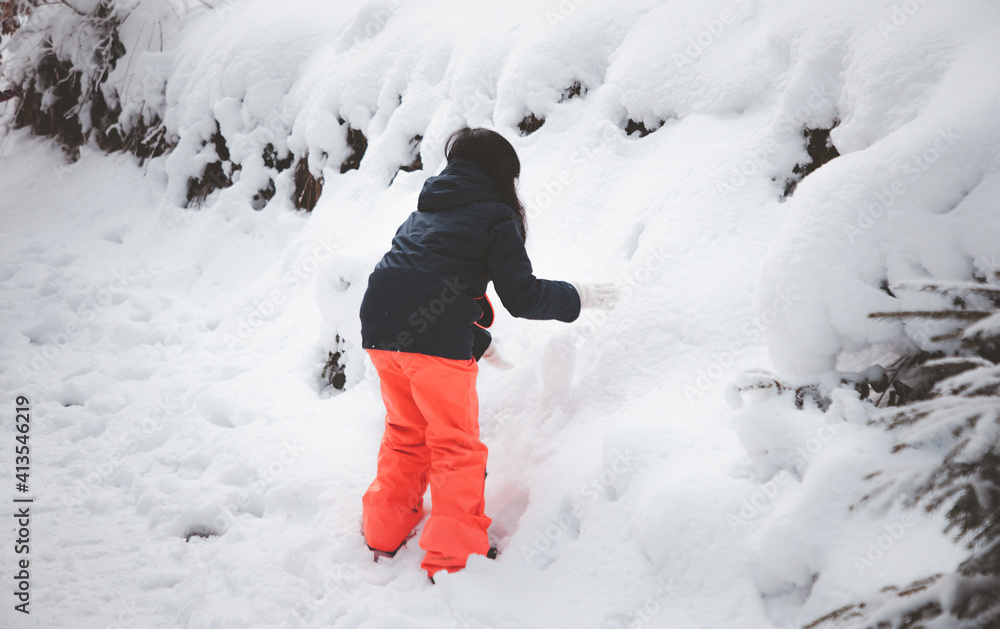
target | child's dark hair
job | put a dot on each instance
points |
(494, 154)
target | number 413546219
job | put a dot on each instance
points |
(22, 450)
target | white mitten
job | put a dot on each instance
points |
(604, 296)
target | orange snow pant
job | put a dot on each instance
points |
(431, 436)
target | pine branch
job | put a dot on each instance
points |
(944, 288)
(934, 315)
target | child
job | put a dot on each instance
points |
(422, 322)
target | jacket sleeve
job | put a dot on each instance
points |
(522, 294)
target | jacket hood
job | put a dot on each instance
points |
(460, 183)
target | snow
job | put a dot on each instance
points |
(172, 355)
(909, 199)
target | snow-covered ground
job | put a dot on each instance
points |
(190, 468)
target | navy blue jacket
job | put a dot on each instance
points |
(421, 297)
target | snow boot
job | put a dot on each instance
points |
(387, 554)
(490, 554)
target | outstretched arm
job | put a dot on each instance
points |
(522, 294)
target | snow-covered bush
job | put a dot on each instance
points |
(69, 63)
(942, 410)
(950, 408)
(107, 73)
